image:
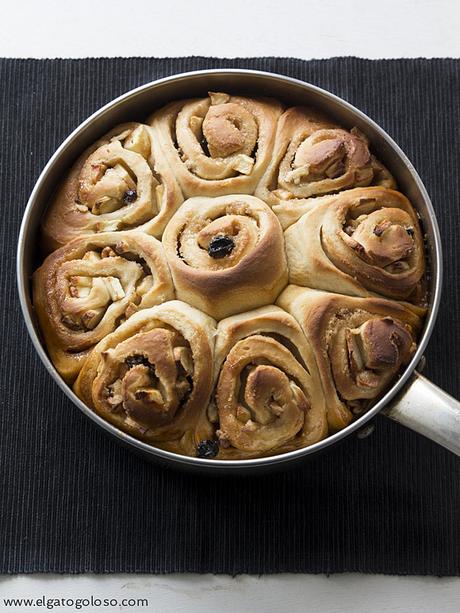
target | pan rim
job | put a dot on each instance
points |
(212, 464)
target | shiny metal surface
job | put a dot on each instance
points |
(136, 105)
(424, 407)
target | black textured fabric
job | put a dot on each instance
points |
(72, 500)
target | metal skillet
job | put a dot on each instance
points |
(413, 401)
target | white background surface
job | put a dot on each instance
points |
(305, 29)
(244, 594)
(229, 28)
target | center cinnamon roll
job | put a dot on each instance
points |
(226, 254)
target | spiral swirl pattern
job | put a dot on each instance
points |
(120, 183)
(360, 345)
(217, 145)
(250, 273)
(359, 241)
(313, 156)
(84, 290)
(268, 394)
(151, 376)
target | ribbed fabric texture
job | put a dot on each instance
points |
(72, 500)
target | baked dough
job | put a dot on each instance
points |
(217, 145)
(360, 345)
(84, 290)
(253, 271)
(119, 183)
(268, 394)
(151, 377)
(361, 241)
(313, 156)
(165, 300)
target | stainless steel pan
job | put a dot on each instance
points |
(412, 401)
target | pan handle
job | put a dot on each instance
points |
(424, 407)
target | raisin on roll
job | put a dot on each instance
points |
(268, 397)
(119, 183)
(151, 377)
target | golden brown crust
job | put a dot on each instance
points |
(119, 183)
(251, 275)
(268, 395)
(313, 156)
(84, 290)
(217, 145)
(152, 378)
(360, 344)
(357, 242)
(275, 196)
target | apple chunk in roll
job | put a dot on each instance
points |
(152, 377)
(84, 290)
(119, 183)
(217, 145)
(313, 156)
(361, 241)
(226, 254)
(360, 345)
(268, 396)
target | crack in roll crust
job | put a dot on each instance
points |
(152, 378)
(250, 275)
(84, 290)
(360, 345)
(217, 145)
(313, 156)
(268, 396)
(357, 242)
(119, 183)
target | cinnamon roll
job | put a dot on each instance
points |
(120, 183)
(84, 290)
(204, 214)
(313, 156)
(151, 377)
(268, 396)
(226, 254)
(359, 241)
(217, 145)
(360, 345)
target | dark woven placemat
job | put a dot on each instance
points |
(71, 500)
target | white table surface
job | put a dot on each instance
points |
(241, 28)
(302, 28)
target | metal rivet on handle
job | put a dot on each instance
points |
(422, 363)
(365, 432)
